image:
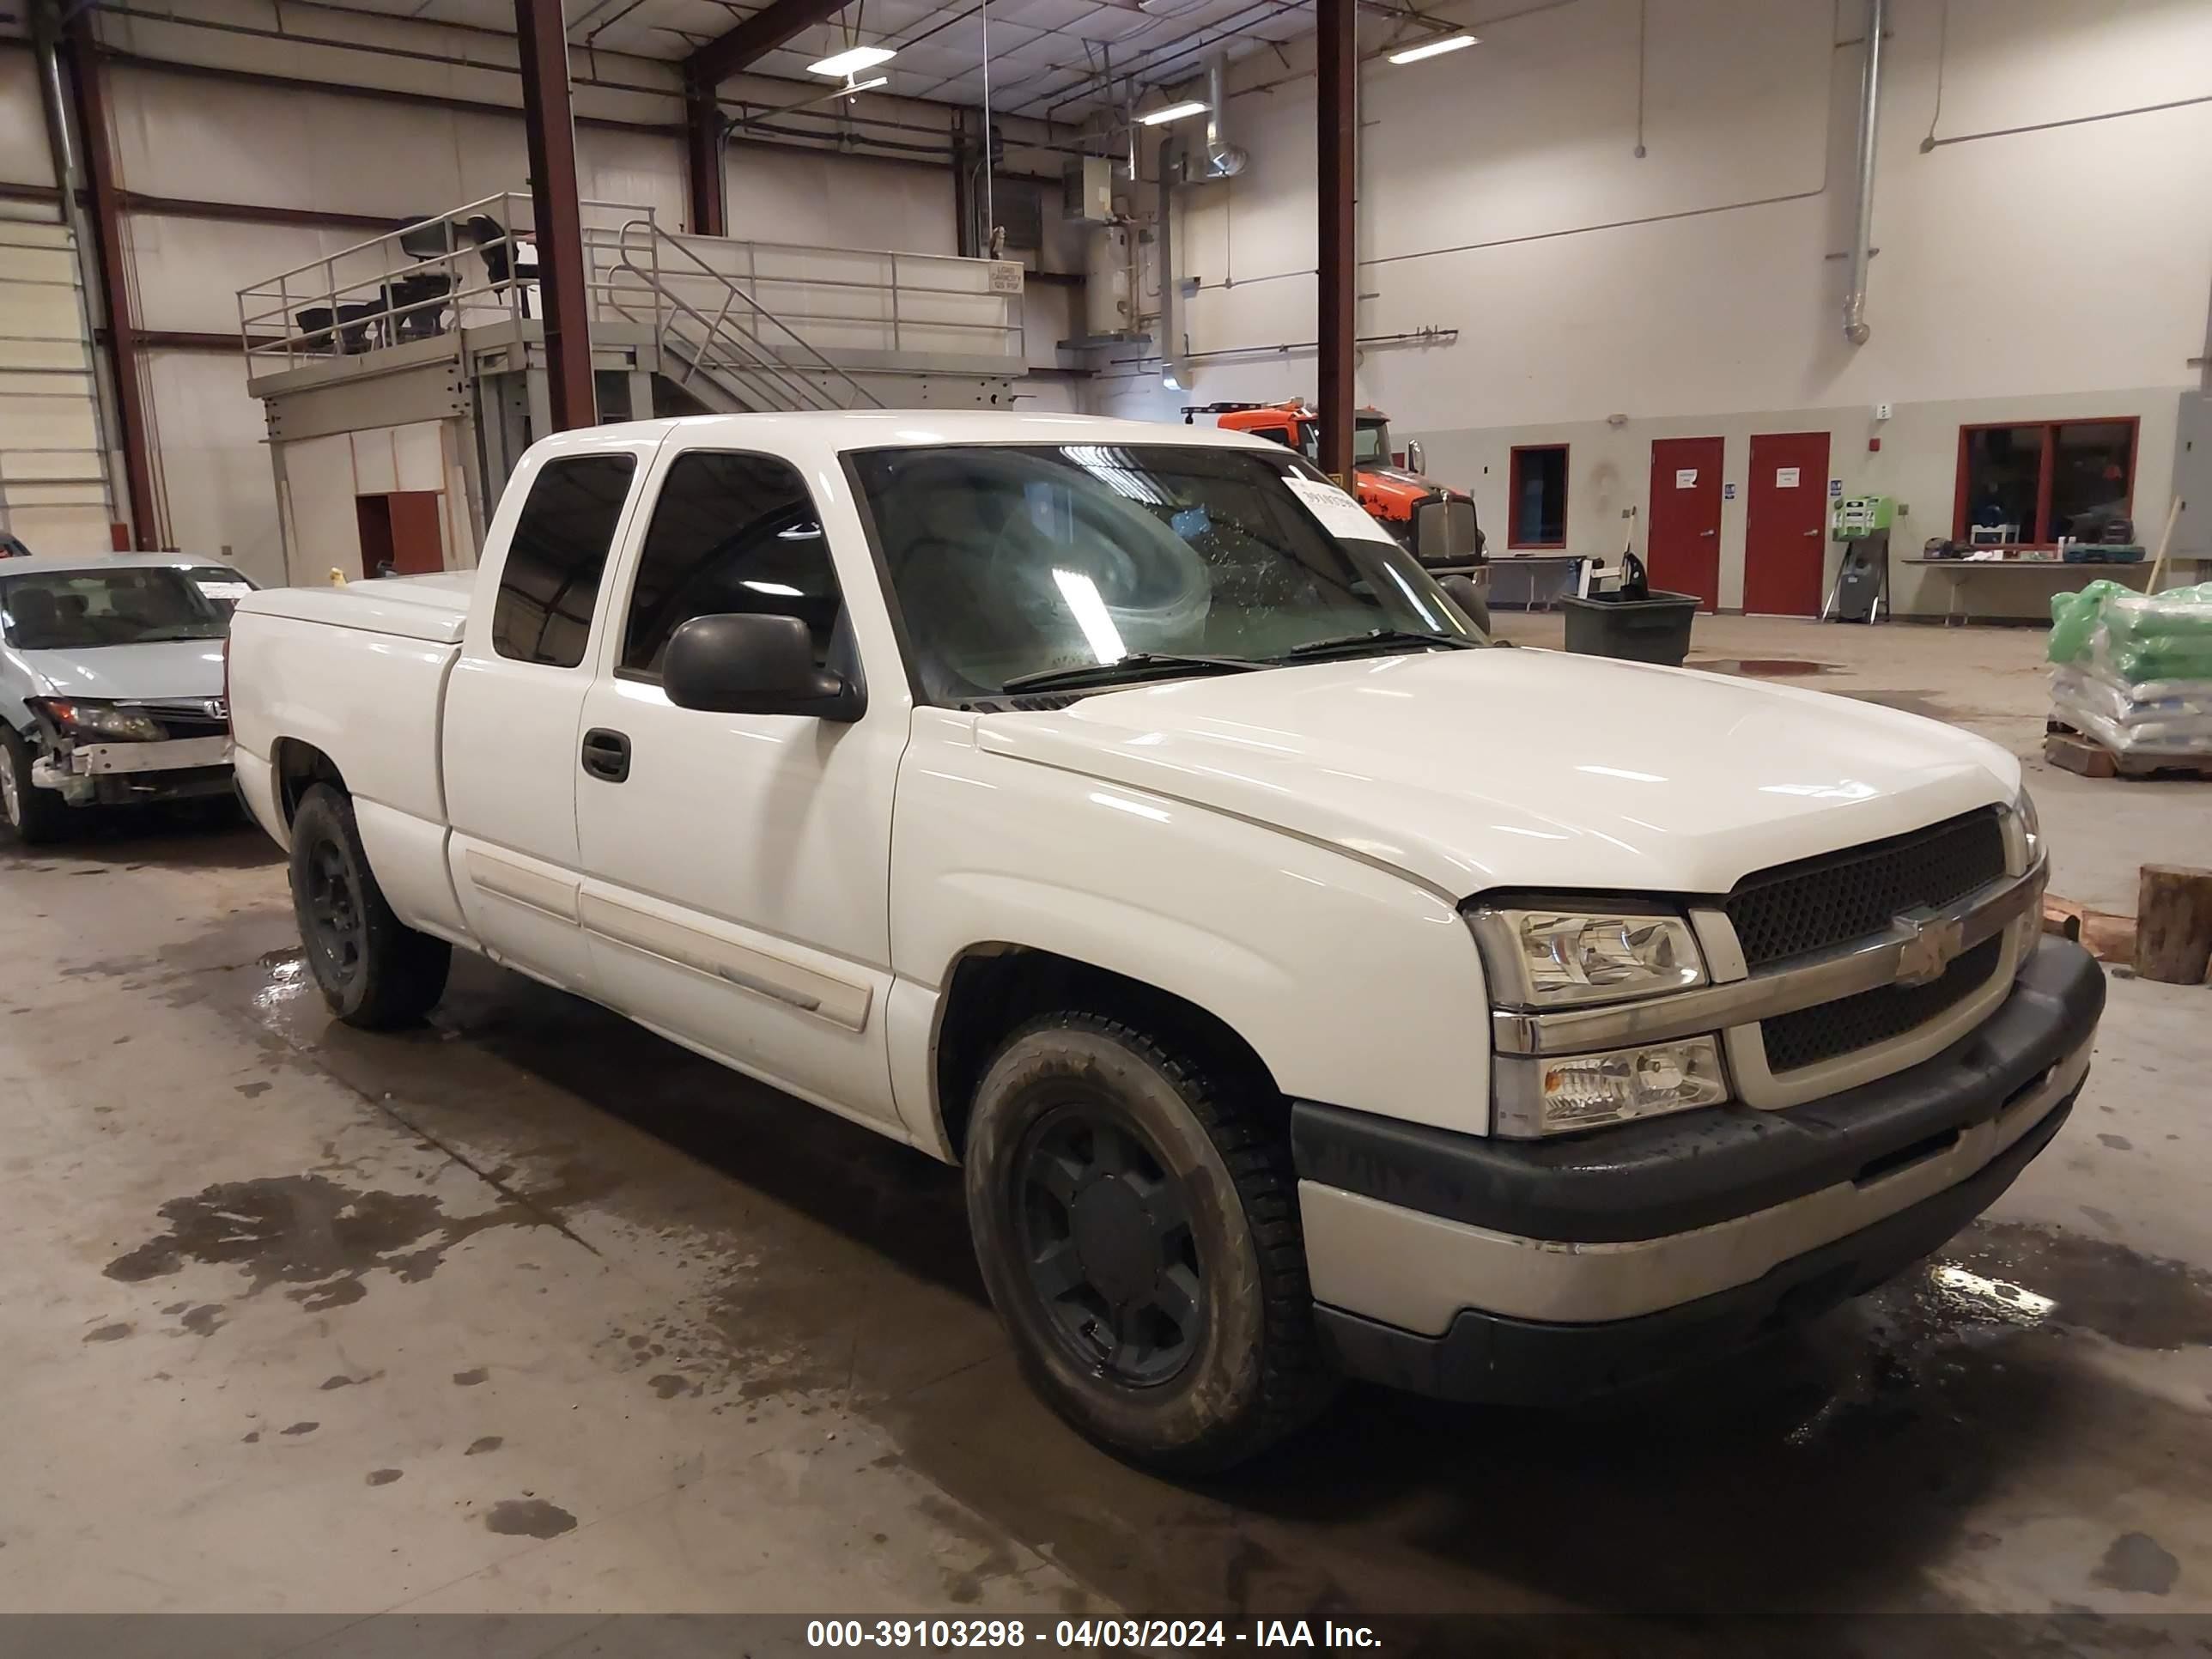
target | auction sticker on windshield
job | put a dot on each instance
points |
(1339, 515)
(225, 590)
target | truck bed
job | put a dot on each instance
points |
(357, 671)
(433, 607)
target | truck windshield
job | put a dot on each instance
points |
(1014, 561)
(74, 610)
(1371, 443)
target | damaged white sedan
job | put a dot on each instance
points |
(111, 684)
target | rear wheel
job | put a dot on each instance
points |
(36, 815)
(373, 970)
(1137, 1227)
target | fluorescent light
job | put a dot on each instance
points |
(1432, 48)
(775, 590)
(855, 87)
(853, 60)
(1173, 113)
(1088, 611)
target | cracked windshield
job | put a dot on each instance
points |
(1029, 567)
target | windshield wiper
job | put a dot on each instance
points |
(1137, 663)
(1343, 642)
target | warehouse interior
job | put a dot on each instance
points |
(1874, 328)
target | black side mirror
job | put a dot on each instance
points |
(1471, 599)
(744, 663)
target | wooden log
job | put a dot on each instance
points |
(2173, 923)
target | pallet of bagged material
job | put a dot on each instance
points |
(2071, 751)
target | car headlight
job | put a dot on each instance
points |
(2031, 827)
(1557, 959)
(1557, 1094)
(82, 717)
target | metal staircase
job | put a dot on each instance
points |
(743, 358)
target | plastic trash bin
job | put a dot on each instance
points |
(1656, 630)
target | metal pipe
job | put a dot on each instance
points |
(1223, 159)
(990, 209)
(1171, 159)
(1854, 298)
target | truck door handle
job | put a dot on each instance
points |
(606, 754)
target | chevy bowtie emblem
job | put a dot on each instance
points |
(1930, 946)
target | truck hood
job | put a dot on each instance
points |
(1398, 485)
(166, 668)
(1473, 770)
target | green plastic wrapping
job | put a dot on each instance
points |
(2135, 637)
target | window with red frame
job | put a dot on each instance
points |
(2031, 482)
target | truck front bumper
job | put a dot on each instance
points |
(1548, 1272)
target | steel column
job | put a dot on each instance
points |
(702, 162)
(80, 53)
(549, 127)
(1336, 129)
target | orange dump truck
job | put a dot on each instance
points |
(1435, 522)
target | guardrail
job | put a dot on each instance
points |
(476, 264)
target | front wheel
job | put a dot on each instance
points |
(1138, 1230)
(373, 970)
(37, 816)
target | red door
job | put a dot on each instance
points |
(1682, 553)
(418, 545)
(1785, 524)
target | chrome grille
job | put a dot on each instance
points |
(188, 717)
(1444, 531)
(1830, 1029)
(1816, 904)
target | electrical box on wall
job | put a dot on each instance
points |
(1858, 516)
(1087, 190)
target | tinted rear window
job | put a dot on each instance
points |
(549, 585)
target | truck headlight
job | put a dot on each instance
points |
(1559, 958)
(1565, 1092)
(2031, 827)
(85, 717)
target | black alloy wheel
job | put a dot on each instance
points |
(1109, 1247)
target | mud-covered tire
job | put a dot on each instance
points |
(373, 970)
(34, 816)
(1207, 1201)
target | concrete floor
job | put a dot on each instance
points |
(531, 1311)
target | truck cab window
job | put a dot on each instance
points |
(730, 532)
(550, 584)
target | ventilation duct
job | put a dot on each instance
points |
(1855, 296)
(1223, 159)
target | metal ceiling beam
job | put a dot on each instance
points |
(1336, 129)
(772, 25)
(549, 129)
(80, 54)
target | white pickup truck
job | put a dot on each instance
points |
(1308, 986)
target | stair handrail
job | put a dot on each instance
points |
(768, 361)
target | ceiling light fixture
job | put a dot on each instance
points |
(1172, 113)
(1434, 48)
(853, 60)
